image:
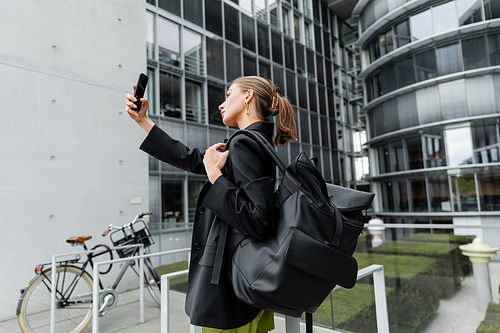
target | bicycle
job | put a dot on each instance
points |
(74, 284)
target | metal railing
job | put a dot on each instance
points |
(54, 280)
(292, 325)
(95, 319)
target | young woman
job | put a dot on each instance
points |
(239, 192)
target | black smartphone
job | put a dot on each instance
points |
(140, 87)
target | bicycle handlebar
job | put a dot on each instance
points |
(136, 218)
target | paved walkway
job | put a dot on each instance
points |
(456, 314)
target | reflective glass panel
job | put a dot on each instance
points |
(289, 55)
(249, 65)
(193, 11)
(302, 84)
(150, 35)
(276, 47)
(248, 32)
(463, 191)
(434, 150)
(459, 146)
(233, 62)
(191, 44)
(313, 105)
(296, 27)
(474, 53)
(418, 195)
(263, 39)
(172, 195)
(489, 188)
(405, 73)
(168, 42)
(468, 11)
(232, 24)
(401, 198)
(439, 192)
(314, 129)
(448, 59)
(215, 58)
(173, 6)
(421, 25)
(194, 102)
(494, 49)
(388, 196)
(213, 16)
(170, 95)
(290, 87)
(492, 9)
(383, 158)
(265, 70)
(444, 17)
(304, 127)
(397, 156)
(414, 150)
(402, 31)
(485, 139)
(300, 58)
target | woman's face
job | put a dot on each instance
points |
(233, 107)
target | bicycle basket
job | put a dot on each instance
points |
(140, 234)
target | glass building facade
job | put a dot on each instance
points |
(430, 72)
(195, 48)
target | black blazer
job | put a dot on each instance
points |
(243, 198)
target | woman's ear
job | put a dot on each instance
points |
(249, 95)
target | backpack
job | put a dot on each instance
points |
(310, 250)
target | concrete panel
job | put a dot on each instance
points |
(69, 153)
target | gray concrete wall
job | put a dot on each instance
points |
(69, 162)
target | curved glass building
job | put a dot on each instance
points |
(431, 74)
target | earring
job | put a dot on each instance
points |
(247, 108)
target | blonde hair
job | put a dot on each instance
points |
(269, 103)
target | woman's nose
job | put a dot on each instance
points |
(222, 106)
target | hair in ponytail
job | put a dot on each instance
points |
(268, 104)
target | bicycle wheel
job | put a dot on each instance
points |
(152, 281)
(73, 302)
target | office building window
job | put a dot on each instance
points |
(249, 65)
(290, 87)
(401, 203)
(150, 91)
(193, 11)
(194, 102)
(386, 42)
(216, 96)
(170, 95)
(439, 192)
(302, 85)
(173, 6)
(474, 53)
(265, 70)
(405, 73)
(383, 159)
(418, 195)
(213, 16)
(314, 129)
(263, 39)
(317, 39)
(296, 28)
(304, 127)
(425, 63)
(459, 146)
(215, 58)
(300, 58)
(396, 154)
(448, 59)
(444, 17)
(489, 188)
(402, 33)
(494, 49)
(276, 47)
(310, 64)
(278, 79)
(248, 31)
(485, 139)
(319, 69)
(421, 25)
(434, 151)
(289, 54)
(150, 35)
(463, 189)
(191, 44)
(232, 24)
(468, 11)
(313, 105)
(414, 151)
(168, 42)
(233, 62)
(388, 196)
(172, 199)
(322, 100)
(491, 9)
(286, 21)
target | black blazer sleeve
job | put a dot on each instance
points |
(245, 198)
(160, 145)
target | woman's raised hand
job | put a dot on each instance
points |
(141, 116)
(214, 160)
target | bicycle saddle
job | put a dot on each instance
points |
(78, 239)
